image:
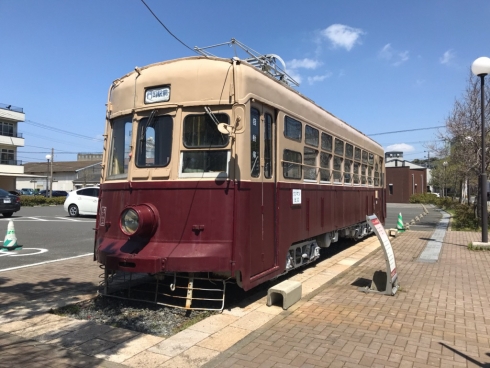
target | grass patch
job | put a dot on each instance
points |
(192, 321)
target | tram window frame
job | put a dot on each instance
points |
(292, 162)
(312, 136)
(339, 147)
(309, 160)
(327, 142)
(293, 129)
(364, 157)
(356, 175)
(363, 174)
(325, 167)
(254, 143)
(223, 155)
(189, 137)
(349, 151)
(161, 130)
(337, 173)
(370, 158)
(348, 171)
(118, 164)
(268, 146)
(357, 154)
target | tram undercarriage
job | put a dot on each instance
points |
(205, 291)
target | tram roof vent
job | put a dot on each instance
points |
(267, 63)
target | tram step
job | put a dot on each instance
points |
(289, 290)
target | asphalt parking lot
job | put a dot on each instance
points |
(46, 234)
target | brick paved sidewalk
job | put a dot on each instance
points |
(437, 319)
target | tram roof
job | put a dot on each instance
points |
(255, 74)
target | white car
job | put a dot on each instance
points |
(82, 202)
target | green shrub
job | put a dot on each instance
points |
(445, 203)
(423, 198)
(464, 218)
(37, 200)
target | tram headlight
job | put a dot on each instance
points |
(129, 221)
(140, 220)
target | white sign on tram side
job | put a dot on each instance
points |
(296, 196)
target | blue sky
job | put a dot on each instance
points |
(381, 66)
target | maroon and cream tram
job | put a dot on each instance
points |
(213, 166)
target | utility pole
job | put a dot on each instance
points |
(51, 186)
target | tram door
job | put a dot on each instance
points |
(262, 192)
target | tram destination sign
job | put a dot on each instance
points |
(160, 94)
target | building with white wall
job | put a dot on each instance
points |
(67, 175)
(10, 140)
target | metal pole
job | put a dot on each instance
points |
(444, 190)
(47, 178)
(484, 210)
(51, 186)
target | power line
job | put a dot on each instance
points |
(168, 30)
(408, 130)
(44, 126)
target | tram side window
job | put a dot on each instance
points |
(357, 178)
(347, 171)
(293, 129)
(200, 131)
(364, 157)
(309, 168)
(349, 150)
(363, 174)
(376, 174)
(120, 148)
(291, 164)
(154, 142)
(255, 143)
(370, 175)
(357, 154)
(268, 148)
(311, 136)
(325, 166)
(327, 142)
(337, 169)
(382, 182)
(339, 147)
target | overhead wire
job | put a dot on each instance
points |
(407, 130)
(168, 30)
(44, 126)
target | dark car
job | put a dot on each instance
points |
(59, 193)
(15, 192)
(56, 193)
(9, 203)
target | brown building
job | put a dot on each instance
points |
(403, 179)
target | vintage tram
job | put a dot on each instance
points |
(216, 168)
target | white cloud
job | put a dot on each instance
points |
(303, 63)
(386, 52)
(447, 57)
(318, 78)
(393, 56)
(342, 36)
(403, 147)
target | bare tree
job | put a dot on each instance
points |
(463, 131)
